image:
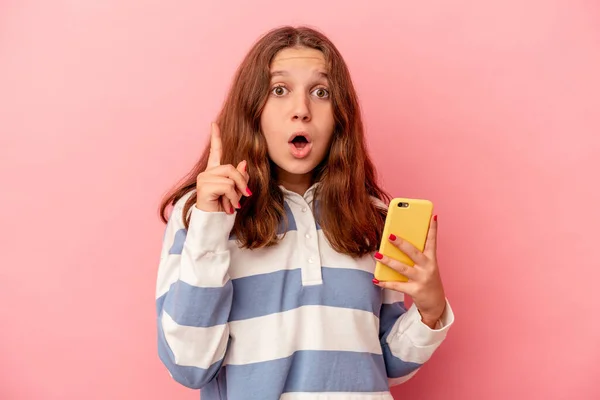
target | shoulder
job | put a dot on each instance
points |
(181, 202)
(177, 211)
(379, 203)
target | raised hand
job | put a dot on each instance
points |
(220, 187)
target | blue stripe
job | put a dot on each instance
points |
(195, 306)
(178, 241)
(389, 315)
(281, 229)
(260, 295)
(159, 303)
(291, 221)
(307, 371)
(317, 213)
(216, 389)
(192, 377)
(395, 367)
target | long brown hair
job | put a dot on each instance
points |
(350, 220)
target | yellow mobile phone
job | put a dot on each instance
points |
(407, 219)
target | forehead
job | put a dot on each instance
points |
(299, 58)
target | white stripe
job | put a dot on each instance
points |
(168, 273)
(193, 346)
(201, 270)
(305, 328)
(337, 396)
(402, 379)
(392, 296)
(206, 252)
(204, 269)
(283, 256)
(332, 259)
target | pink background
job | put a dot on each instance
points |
(488, 108)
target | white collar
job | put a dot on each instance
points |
(308, 195)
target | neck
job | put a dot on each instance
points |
(295, 183)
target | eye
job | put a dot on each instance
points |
(321, 93)
(279, 90)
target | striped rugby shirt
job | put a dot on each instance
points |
(296, 321)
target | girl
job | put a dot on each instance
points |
(265, 286)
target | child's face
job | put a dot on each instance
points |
(299, 103)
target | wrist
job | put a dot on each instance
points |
(431, 323)
(431, 318)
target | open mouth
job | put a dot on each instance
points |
(300, 142)
(300, 145)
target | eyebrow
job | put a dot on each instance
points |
(285, 73)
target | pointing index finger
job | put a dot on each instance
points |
(216, 147)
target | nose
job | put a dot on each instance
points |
(301, 111)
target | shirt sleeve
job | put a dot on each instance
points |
(408, 343)
(194, 295)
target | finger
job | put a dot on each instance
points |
(222, 190)
(231, 194)
(226, 205)
(406, 270)
(216, 147)
(235, 175)
(243, 168)
(216, 186)
(403, 287)
(431, 243)
(409, 249)
(230, 197)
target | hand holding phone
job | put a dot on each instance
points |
(408, 219)
(407, 263)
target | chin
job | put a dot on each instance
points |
(297, 167)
